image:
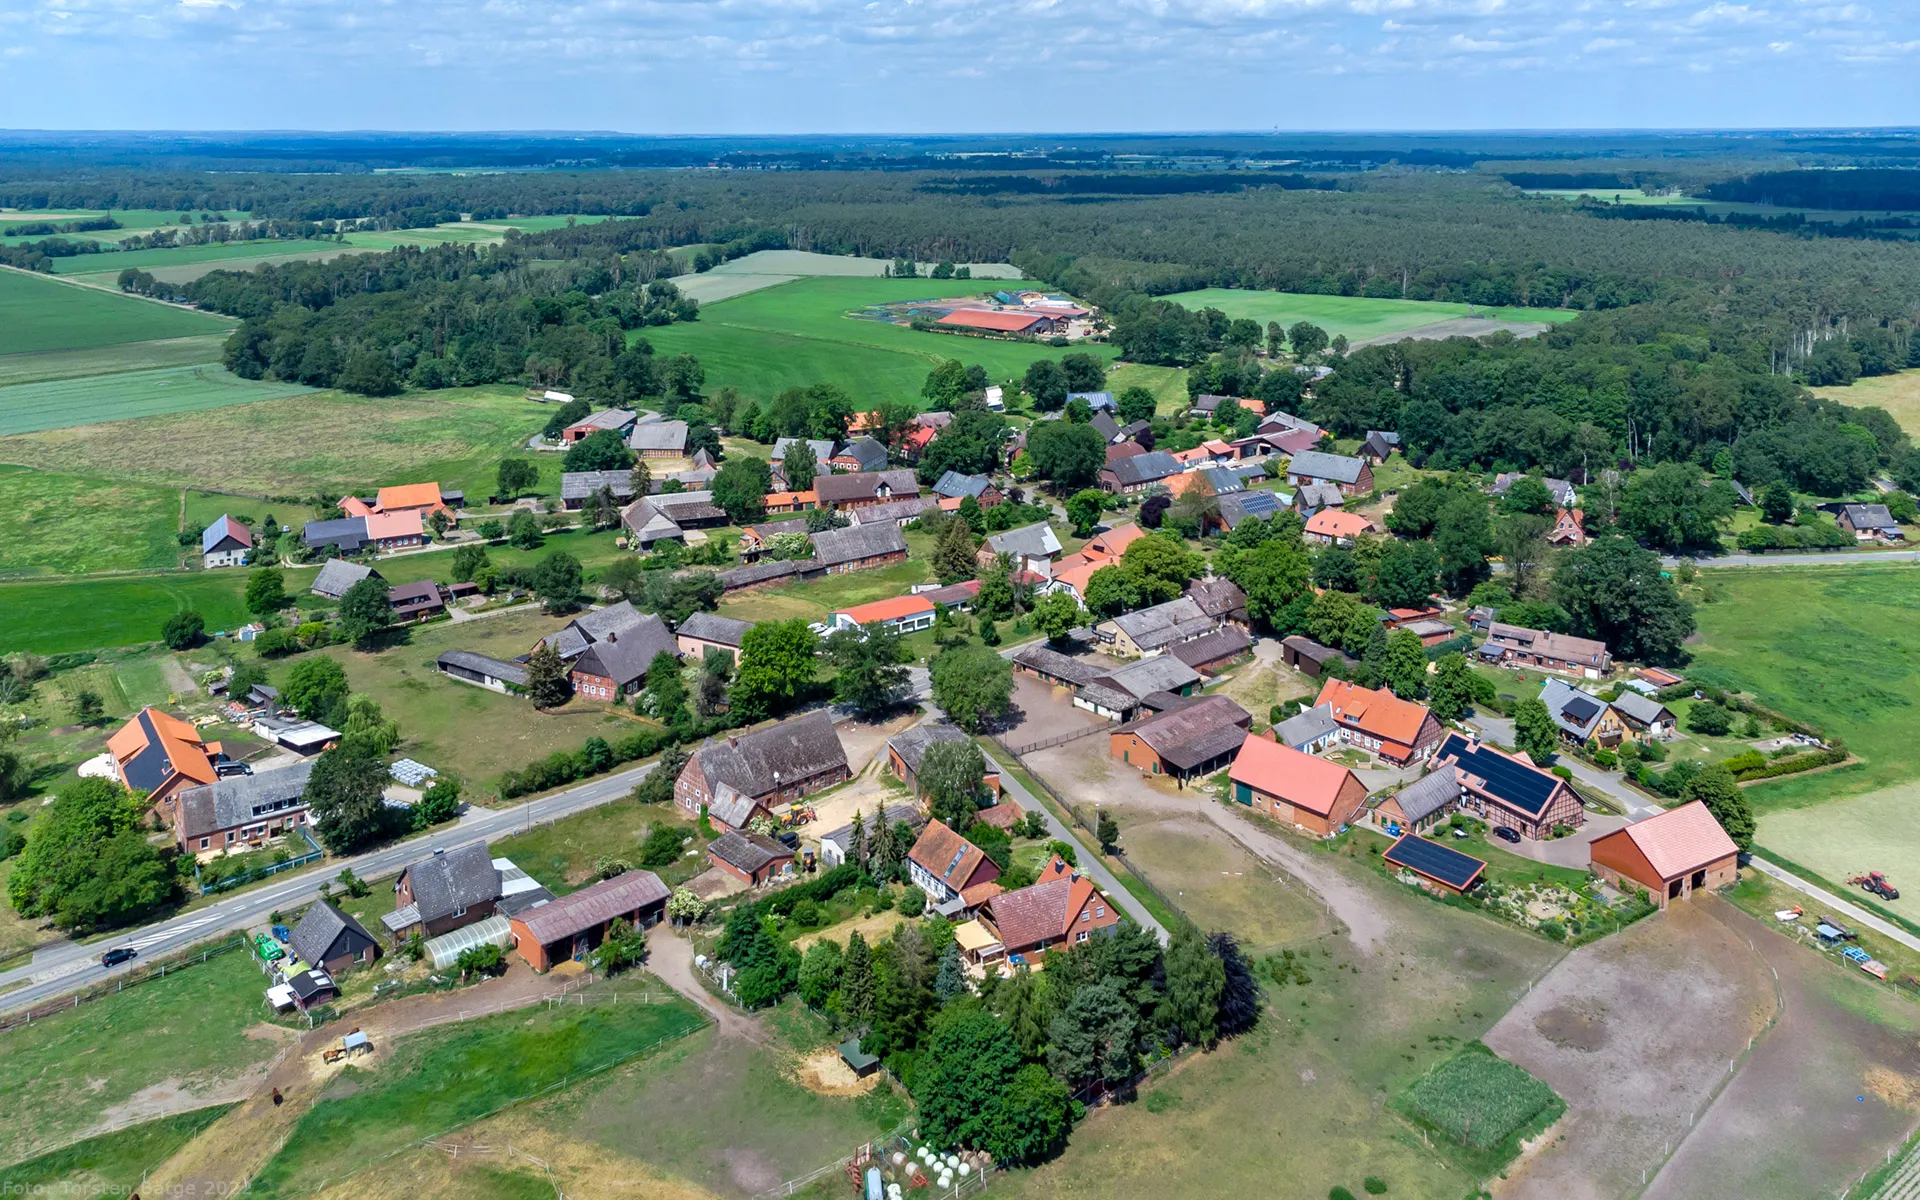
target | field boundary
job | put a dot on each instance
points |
(179, 960)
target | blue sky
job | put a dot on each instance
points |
(828, 66)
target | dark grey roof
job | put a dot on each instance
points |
(1236, 507)
(337, 576)
(1319, 495)
(1108, 427)
(1428, 794)
(607, 418)
(659, 435)
(1151, 628)
(866, 485)
(768, 530)
(459, 878)
(792, 750)
(1212, 647)
(235, 800)
(598, 624)
(1195, 731)
(911, 744)
(1207, 402)
(481, 664)
(1306, 726)
(761, 572)
(869, 454)
(904, 509)
(1222, 481)
(832, 547)
(580, 485)
(1163, 673)
(1316, 464)
(822, 450)
(712, 627)
(1145, 468)
(1644, 709)
(748, 851)
(624, 655)
(1870, 516)
(348, 533)
(1047, 661)
(1218, 597)
(1110, 698)
(895, 813)
(958, 486)
(324, 925)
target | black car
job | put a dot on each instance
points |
(114, 958)
(1506, 835)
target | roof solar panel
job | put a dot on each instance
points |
(1522, 787)
(1436, 861)
(1581, 711)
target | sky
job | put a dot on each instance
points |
(938, 66)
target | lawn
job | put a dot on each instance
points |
(111, 1164)
(1898, 393)
(803, 332)
(123, 396)
(216, 254)
(46, 365)
(51, 616)
(73, 1071)
(1168, 385)
(64, 524)
(448, 1077)
(562, 854)
(813, 599)
(1356, 316)
(38, 313)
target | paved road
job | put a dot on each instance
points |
(67, 966)
(1833, 903)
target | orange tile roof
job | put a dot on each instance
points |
(1681, 840)
(1377, 713)
(354, 506)
(1300, 779)
(892, 608)
(1194, 455)
(1333, 522)
(1079, 574)
(179, 741)
(1114, 542)
(950, 503)
(405, 523)
(410, 495)
(1002, 322)
(773, 498)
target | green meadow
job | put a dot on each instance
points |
(69, 524)
(213, 252)
(38, 313)
(125, 395)
(48, 617)
(201, 349)
(1355, 316)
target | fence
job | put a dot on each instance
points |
(178, 962)
(313, 854)
(1060, 740)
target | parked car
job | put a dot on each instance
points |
(1506, 835)
(283, 933)
(118, 955)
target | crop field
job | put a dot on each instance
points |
(216, 253)
(39, 313)
(1483, 1102)
(48, 617)
(47, 365)
(1356, 316)
(1844, 838)
(803, 332)
(767, 268)
(128, 395)
(552, 221)
(186, 272)
(1898, 393)
(66, 524)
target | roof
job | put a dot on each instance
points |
(237, 800)
(624, 655)
(1572, 709)
(1428, 794)
(579, 485)
(1317, 464)
(748, 851)
(1039, 657)
(768, 530)
(338, 575)
(402, 524)
(1333, 522)
(1113, 542)
(964, 592)
(730, 808)
(1376, 712)
(1222, 643)
(1236, 507)
(1306, 726)
(1561, 646)
(1380, 443)
(607, 418)
(596, 625)
(1320, 495)
(895, 813)
(1679, 841)
(1029, 916)
(1518, 785)
(946, 855)
(1300, 779)
(903, 509)
(1196, 732)
(225, 527)
(658, 435)
(1162, 673)
(911, 744)
(796, 749)
(893, 608)
(1126, 449)
(998, 322)
(593, 906)
(506, 672)
(953, 483)
(1869, 516)
(866, 485)
(871, 455)
(711, 627)
(1145, 468)
(1307, 648)
(1110, 698)
(832, 547)
(413, 593)
(1097, 400)
(822, 450)
(1217, 597)
(759, 572)
(346, 532)
(1108, 427)
(1644, 709)
(1037, 540)
(1221, 480)
(973, 937)
(459, 878)
(409, 495)
(320, 928)
(1435, 861)
(1151, 627)
(155, 746)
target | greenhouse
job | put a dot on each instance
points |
(444, 951)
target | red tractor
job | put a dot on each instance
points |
(1876, 883)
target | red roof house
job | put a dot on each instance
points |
(1299, 789)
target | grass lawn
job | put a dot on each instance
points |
(1355, 316)
(50, 616)
(813, 599)
(803, 332)
(39, 313)
(71, 1071)
(113, 1163)
(1219, 885)
(449, 1076)
(561, 855)
(1168, 385)
(1898, 393)
(204, 508)
(94, 400)
(64, 524)
(46, 365)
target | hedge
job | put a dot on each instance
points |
(822, 887)
(1794, 765)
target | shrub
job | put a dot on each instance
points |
(806, 914)
(1339, 1193)
(1375, 1185)
(913, 903)
(1710, 719)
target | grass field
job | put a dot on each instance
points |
(801, 333)
(216, 253)
(67, 524)
(769, 268)
(111, 1164)
(533, 224)
(45, 365)
(47, 617)
(130, 395)
(1898, 393)
(814, 599)
(1168, 385)
(1611, 195)
(39, 313)
(71, 1072)
(561, 855)
(1355, 316)
(445, 1077)
(1221, 886)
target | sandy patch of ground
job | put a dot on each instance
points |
(824, 1071)
(670, 957)
(875, 928)
(713, 883)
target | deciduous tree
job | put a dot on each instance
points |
(1715, 787)
(866, 661)
(741, 488)
(950, 774)
(366, 612)
(1534, 731)
(345, 795)
(972, 684)
(776, 666)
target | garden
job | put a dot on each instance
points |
(1482, 1106)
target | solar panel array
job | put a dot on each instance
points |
(1435, 861)
(1520, 786)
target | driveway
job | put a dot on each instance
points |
(670, 957)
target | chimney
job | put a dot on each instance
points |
(613, 635)
(733, 740)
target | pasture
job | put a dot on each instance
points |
(111, 1164)
(41, 313)
(215, 253)
(48, 365)
(805, 332)
(96, 400)
(70, 525)
(1355, 316)
(1898, 393)
(1844, 838)
(51, 616)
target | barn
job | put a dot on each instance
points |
(1672, 856)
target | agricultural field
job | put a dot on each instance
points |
(535, 224)
(214, 254)
(39, 313)
(805, 332)
(112, 1163)
(1483, 1105)
(1355, 316)
(766, 268)
(46, 365)
(52, 616)
(70, 525)
(1840, 839)
(100, 399)
(1898, 393)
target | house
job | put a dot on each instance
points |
(157, 753)
(1508, 791)
(1582, 718)
(1239, 506)
(239, 810)
(1161, 673)
(787, 502)
(958, 596)
(1133, 634)
(858, 547)
(1204, 405)
(1126, 449)
(1309, 730)
(225, 543)
(861, 488)
(1379, 444)
(1672, 855)
(331, 940)
(573, 925)
(1108, 427)
(1313, 497)
(1420, 805)
(775, 765)
(955, 486)
(1280, 422)
(861, 454)
(619, 420)
(836, 844)
(1196, 738)
(1562, 492)
(578, 488)
(422, 499)
(1139, 472)
(900, 512)
(669, 515)
(1509, 645)
(752, 858)
(955, 874)
(996, 398)
(755, 539)
(1278, 439)
(1331, 526)
(348, 535)
(1644, 718)
(1112, 543)
(338, 575)
(416, 601)
(1063, 909)
(1438, 867)
(1870, 522)
(1097, 401)
(906, 748)
(659, 439)
(822, 451)
(1211, 653)
(1043, 662)
(491, 673)
(1032, 547)
(1399, 731)
(902, 614)
(1311, 794)
(1309, 657)
(395, 530)
(704, 631)
(447, 890)
(1351, 475)
(986, 321)
(1569, 528)
(609, 649)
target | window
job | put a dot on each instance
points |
(1099, 910)
(203, 843)
(461, 911)
(1085, 915)
(229, 837)
(1082, 936)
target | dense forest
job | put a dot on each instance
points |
(1869, 189)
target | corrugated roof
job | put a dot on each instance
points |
(748, 851)
(1161, 674)
(506, 672)
(1195, 732)
(1429, 794)
(659, 435)
(831, 547)
(712, 627)
(1222, 643)
(337, 576)
(593, 905)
